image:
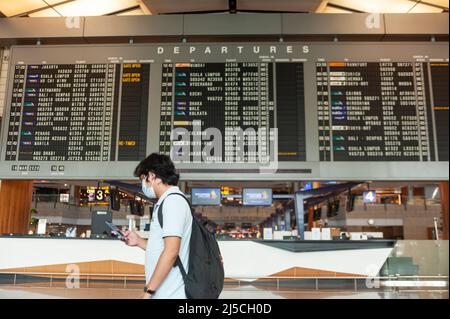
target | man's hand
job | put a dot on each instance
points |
(131, 238)
(146, 296)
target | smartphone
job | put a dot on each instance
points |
(115, 230)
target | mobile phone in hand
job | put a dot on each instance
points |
(116, 231)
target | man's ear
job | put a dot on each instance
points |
(150, 176)
(158, 181)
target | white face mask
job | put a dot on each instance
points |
(148, 191)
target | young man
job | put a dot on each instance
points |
(159, 179)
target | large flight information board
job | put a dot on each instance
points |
(380, 111)
(234, 97)
(316, 111)
(70, 112)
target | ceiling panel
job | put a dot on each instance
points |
(44, 13)
(279, 5)
(392, 6)
(16, 7)
(424, 8)
(175, 6)
(441, 3)
(39, 8)
(87, 8)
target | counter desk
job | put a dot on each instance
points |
(243, 259)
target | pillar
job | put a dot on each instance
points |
(279, 221)
(410, 195)
(15, 205)
(74, 195)
(444, 208)
(287, 219)
(310, 218)
(299, 213)
(324, 212)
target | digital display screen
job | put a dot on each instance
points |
(205, 196)
(78, 112)
(257, 196)
(380, 111)
(237, 99)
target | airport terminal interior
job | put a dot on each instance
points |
(311, 138)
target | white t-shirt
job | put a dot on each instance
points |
(177, 221)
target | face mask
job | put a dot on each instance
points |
(148, 191)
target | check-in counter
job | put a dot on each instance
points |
(242, 258)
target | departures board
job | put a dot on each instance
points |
(70, 112)
(284, 111)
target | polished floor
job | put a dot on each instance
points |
(243, 292)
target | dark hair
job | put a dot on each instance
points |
(160, 165)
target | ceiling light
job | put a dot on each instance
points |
(83, 8)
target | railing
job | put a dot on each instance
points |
(51, 276)
(416, 201)
(311, 282)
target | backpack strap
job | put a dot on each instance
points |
(161, 223)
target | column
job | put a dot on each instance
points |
(444, 205)
(279, 221)
(299, 213)
(273, 222)
(287, 219)
(74, 195)
(410, 195)
(15, 205)
(310, 218)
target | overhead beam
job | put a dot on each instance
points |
(296, 25)
(322, 6)
(144, 7)
(185, 7)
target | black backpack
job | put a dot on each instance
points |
(205, 276)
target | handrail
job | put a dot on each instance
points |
(232, 277)
(68, 273)
(382, 280)
(343, 277)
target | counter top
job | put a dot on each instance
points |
(328, 245)
(289, 245)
